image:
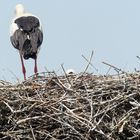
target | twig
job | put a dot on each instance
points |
(138, 57)
(32, 133)
(115, 68)
(89, 62)
(66, 75)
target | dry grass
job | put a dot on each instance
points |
(71, 107)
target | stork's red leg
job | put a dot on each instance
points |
(23, 67)
(35, 67)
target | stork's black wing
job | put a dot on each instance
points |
(15, 38)
(28, 23)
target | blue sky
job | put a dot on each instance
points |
(73, 28)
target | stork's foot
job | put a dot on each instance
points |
(24, 77)
(34, 76)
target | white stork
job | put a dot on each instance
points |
(26, 35)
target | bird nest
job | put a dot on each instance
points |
(71, 107)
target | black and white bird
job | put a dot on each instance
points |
(26, 36)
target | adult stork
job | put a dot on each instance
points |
(26, 36)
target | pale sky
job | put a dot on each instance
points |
(73, 28)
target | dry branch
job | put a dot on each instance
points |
(71, 107)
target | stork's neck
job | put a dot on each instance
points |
(23, 14)
(19, 10)
(19, 14)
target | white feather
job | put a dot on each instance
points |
(13, 28)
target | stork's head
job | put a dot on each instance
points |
(19, 10)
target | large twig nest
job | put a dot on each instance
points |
(71, 107)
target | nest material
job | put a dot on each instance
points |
(71, 107)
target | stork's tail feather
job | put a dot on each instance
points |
(27, 56)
